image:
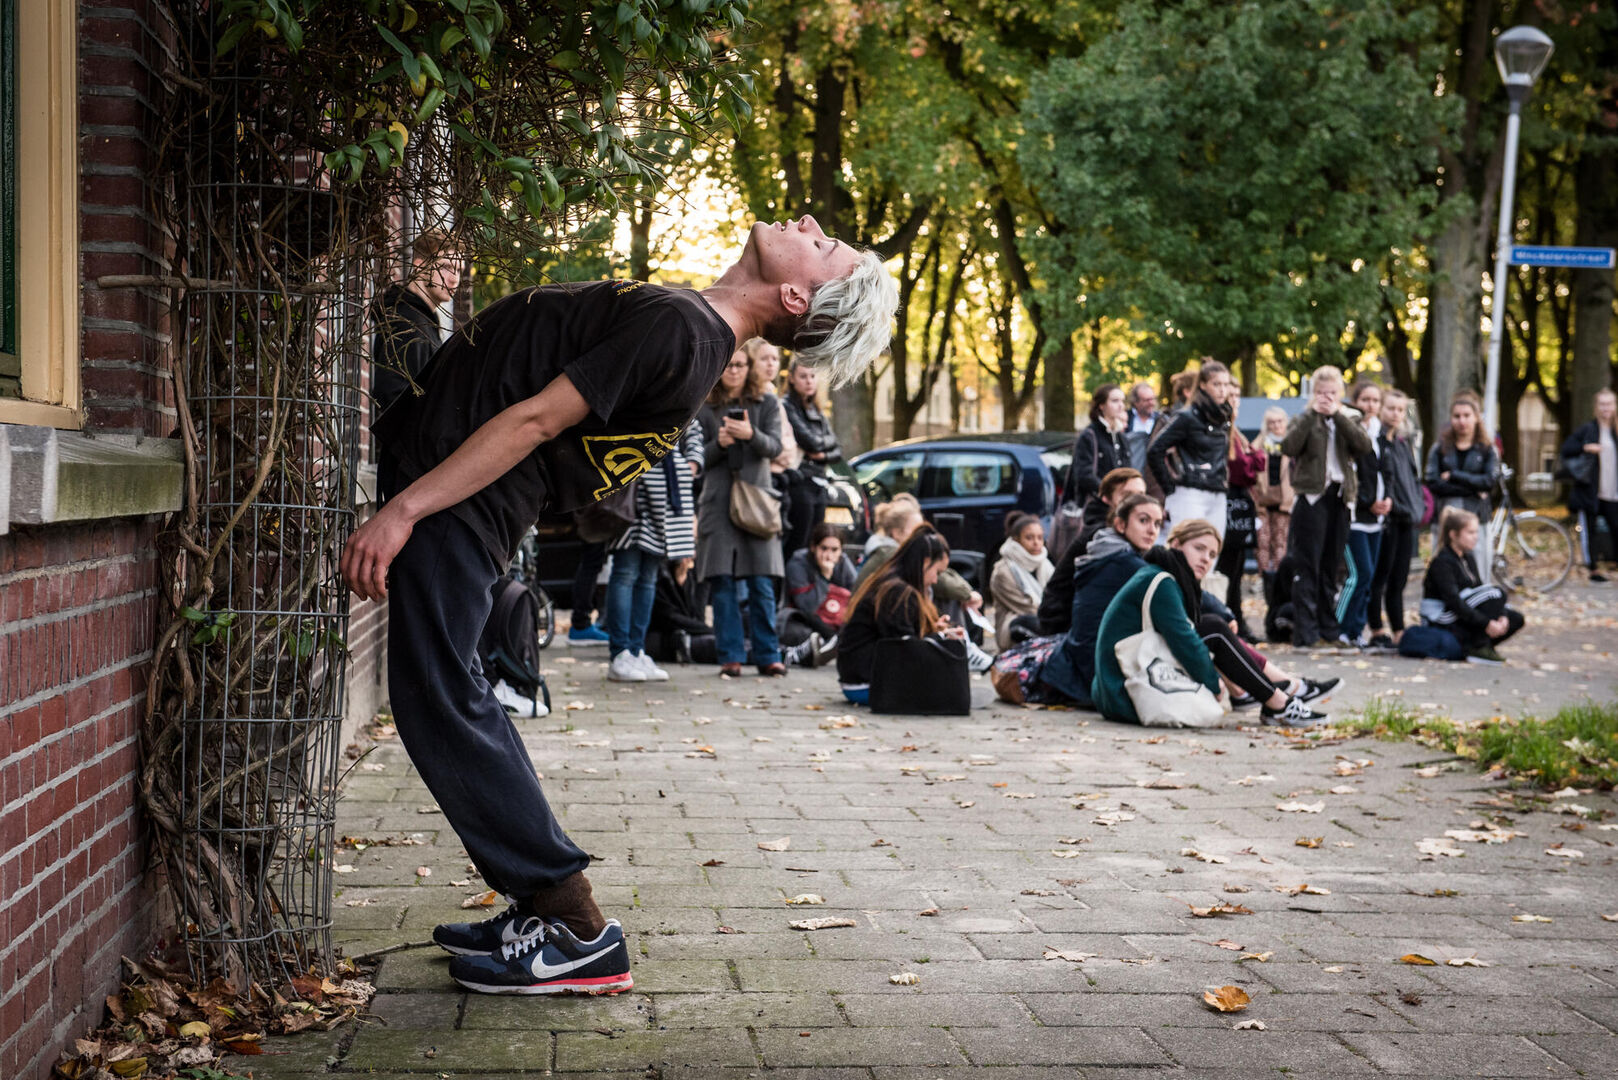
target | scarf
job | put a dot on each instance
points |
(1166, 558)
(1105, 542)
(1033, 571)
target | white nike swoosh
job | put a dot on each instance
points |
(543, 971)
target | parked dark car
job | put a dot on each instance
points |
(553, 546)
(968, 484)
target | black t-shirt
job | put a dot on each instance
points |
(642, 356)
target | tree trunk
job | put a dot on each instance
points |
(1450, 352)
(1058, 387)
(640, 239)
(1247, 364)
(1597, 197)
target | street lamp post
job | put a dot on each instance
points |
(1521, 53)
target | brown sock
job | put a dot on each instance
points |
(570, 903)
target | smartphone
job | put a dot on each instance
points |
(736, 414)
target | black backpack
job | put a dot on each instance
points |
(509, 646)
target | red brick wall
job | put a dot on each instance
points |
(76, 630)
(122, 50)
(78, 607)
(79, 603)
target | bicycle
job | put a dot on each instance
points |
(1530, 553)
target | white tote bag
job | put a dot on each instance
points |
(1163, 694)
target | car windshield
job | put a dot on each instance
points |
(884, 477)
(968, 474)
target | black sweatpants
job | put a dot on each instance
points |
(1319, 531)
(1392, 574)
(592, 557)
(1233, 658)
(457, 733)
(1490, 602)
(1607, 510)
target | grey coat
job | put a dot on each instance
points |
(723, 549)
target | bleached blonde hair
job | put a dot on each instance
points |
(849, 322)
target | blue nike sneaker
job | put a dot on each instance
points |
(465, 939)
(550, 961)
(587, 636)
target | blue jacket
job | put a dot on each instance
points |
(1123, 619)
(1096, 581)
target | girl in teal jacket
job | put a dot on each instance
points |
(1176, 607)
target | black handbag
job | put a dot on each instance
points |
(921, 676)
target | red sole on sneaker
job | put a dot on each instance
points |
(606, 984)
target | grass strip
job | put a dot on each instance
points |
(1576, 746)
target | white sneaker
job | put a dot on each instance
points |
(625, 668)
(649, 666)
(516, 703)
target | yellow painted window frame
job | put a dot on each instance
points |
(47, 217)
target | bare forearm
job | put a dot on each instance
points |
(494, 448)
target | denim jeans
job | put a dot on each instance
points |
(1355, 603)
(631, 587)
(727, 620)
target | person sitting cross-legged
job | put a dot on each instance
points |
(1455, 598)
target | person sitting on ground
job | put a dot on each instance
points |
(1018, 580)
(679, 631)
(1192, 550)
(820, 582)
(896, 519)
(1113, 558)
(1454, 597)
(1056, 605)
(893, 603)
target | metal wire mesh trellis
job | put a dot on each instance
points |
(247, 698)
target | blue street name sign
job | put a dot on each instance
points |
(1590, 258)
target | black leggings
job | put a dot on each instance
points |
(1391, 576)
(1489, 602)
(1234, 659)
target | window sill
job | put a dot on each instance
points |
(49, 476)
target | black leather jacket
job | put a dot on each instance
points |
(814, 434)
(1201, 432)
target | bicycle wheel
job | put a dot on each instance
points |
(1536, 555)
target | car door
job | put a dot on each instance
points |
(966, 494)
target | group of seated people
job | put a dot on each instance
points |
(1057, 624)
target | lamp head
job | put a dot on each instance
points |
(1521, 53)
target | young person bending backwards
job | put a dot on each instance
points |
(1454, 597)
(551, 398)
(894, 602)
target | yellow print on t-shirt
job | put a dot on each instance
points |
(619, 459)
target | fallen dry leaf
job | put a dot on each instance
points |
(1309, 841)
(367, 902)
(929, 913)
(1114, 817)
(1221, 908)
(1482, 836)
(1342, 789)
(1261, 957)
(806, 898)
(1294, 890)
(1469, 961)
(1530, 918)
(822, 924)
(775, 845)
(424, 871)
(1226, 943)
(1300, 807)
(1417, 960)
(714, 862)
(1248, 1025)
(1227, 999)
(1069, 955)
(1066, 854)
(1434, 846)
(488, 899)
(1072, 839)
(1565, 852)
(1249, 781)
(905, 978)
(1610, 918)
(1193, 853)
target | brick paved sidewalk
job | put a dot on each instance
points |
(970, 850)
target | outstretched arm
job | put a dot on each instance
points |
(478, 462)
